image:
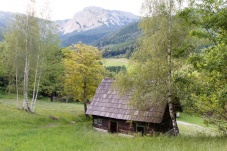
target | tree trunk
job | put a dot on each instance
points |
(35, 84)
(172, 115)
(85, 98)
(25, 103)
(85, 108)
(51, 97)
(37, 91)
(169, 53)
(26, 71)
(17, 87)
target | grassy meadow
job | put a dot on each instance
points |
(21, 131)
(115, 62)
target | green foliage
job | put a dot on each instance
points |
(125, 34)
(83, 72)
(116, 68)
(27, 44)
(113, 70)
(4, 81)
(118, 50)
(87, 37)
(120, 43)
(208, 85)
(148, 75)
(51, 82)
(203, 81)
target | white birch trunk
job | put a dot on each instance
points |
(34, 85)
(169, 95)
(26, 70)
(17, 87)
(37, 91)
(16, 74)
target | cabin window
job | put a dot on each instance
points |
(98, 122)
(140, 129)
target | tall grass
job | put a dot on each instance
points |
(38, 132)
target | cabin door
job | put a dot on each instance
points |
(140, 129)
(113, 127)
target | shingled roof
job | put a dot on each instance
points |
(108, 103)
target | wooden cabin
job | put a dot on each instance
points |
(112, 113)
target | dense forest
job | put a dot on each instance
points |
(176, 53)
(120, 43)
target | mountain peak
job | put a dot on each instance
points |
(93, 8)
(95, 17)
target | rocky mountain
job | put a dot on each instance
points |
(87, 26)
(95, 17)
(92, 24)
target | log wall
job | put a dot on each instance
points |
(126, 127)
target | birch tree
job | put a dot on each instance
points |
(48, 42)
(150, 75)
(31, 38)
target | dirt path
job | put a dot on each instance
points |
(197, 129)
(189, 124)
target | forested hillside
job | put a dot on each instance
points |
(120, 43)
(113, 42)
(87, 37)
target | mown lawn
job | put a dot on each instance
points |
(72, 131)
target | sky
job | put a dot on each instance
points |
(65, 9)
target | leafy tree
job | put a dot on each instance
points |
(83, 72)
(150, 76)
(3, 69)
(114, 70)
(204, 78)
(53, 70)
(28, 41)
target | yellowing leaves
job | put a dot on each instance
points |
(83, 73)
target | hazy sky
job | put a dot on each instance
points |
(65, 9)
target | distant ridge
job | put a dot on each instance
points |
(87, 26)
(95, 17)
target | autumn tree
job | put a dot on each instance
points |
(83, 72)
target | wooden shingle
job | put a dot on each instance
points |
(108, 103)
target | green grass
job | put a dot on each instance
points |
(198, 126)
(115, 62)
(191, 119)
(23, 131)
